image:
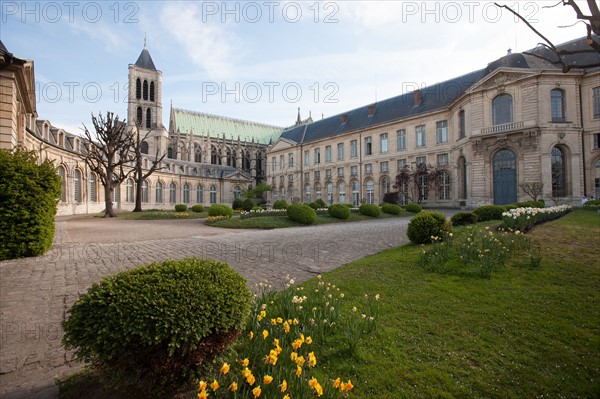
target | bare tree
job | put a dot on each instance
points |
(138, 175)
(533, 189)
(549, 52)
(108, 154)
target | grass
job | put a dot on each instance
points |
(155, 214)
(525, 333)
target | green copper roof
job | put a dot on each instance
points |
(201, 124)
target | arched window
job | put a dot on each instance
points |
(355, 193)
(559, 183)
(213, 194)
(444, 186)
(214, 155)
(170, 152)
(129, 191)
(159, 193)
(502, 109)
(308, 193)
(138, 88)
(200, 194)
(145, 191)
(186, 194)
(259, 158)
(282, 191)
(139, 115)
(173, 193)
(144, 148)
(145, 89)
(77, 186)
(246, 160)
(148, 118)
(93, 188)
(330, 193)
(318, 191)
(237, 192)
(342, 193)
(385, 187)
(370, 192)
(197, 153)
(151, 91)
(557, 104)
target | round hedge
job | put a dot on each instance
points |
(180, 207)
(427, 224)
(463, 218)
(150, 327)
(489, 212)
(220, 210)
(370, 210)
(248, 204)
(237, 204)
(339, 211)
(302, 213)
(391, 209)
(280, 204)
(198, 208)
(414, 208)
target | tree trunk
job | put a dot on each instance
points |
(138, 188)
(108, 196)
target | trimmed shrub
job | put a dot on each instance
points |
(339, 211)
(414, 208)
(220, 210)
(314, 205)
(463, 218)
(320, 203)
(29, 192)
(180, 208)
(592, 203)
(302, 213)
(198, 208)
(426, 225)
(370, 210)
(280, 204)
(391, 209)
(149, 328)
(542, 203)
(237, 204)
(248, 204)
(489, 212)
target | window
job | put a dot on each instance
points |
(420, 136)
(281, 162)
(444, 186)
(144, 148)
(186, 194)
(442, 159)
(138, 88)
(291, 179)
(368, 168)
(151, 91)
(173, 193)
(129, 190)
(197, 153)
(282, 190)
(328, 153)
(400, 164)
(353, 149)
(306, 176)
(441, 131)
(597, 140)
(502, 109)
(213, 194)
(77, 186)
(340, 172)
(340, 152)
(421, 160)
(93, 188)
(237, 192)
(317, 175)
(368, 146)
(370, 192)
(330, 193)
(596, 95)
(290, 160)
(317, 156)
(385, 187)
(145, 90)
(200, 194)
(159, 193)
(558, 173)
(116, 193)
(423, 187)
(328, 174)
(273, 164)
(383, 142)
(384, 167)
(275, 195)
(557, 105)
(462, 128)
(308, 193)
(342, 193)
(318, 191)
(355, 194)
(281, 180)
(145, 191)
(354, 170)
(401, 145)
(170, 152)
(139, 115)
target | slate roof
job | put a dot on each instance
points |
(202, 124)
(145, 61)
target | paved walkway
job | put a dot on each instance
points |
(35, 293)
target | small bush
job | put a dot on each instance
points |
(198, 208)
(148, 329)
(320, 203)
(248, 204)
(237, 204)
(370, 210)
(463, 218)
(391, 209)
(180, 208)
(414, 208)
(280, 204)
(220, 210)
(302, 213)
(339, 211)
(489, 212)
(426, 225)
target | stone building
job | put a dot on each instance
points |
(519, 120)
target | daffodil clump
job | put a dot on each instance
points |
(277, 356)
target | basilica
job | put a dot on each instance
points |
(517, 121)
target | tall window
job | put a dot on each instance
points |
(145, 191)
(306, 157)
(462, 128)
(383, 142)
(197, 153)
(421, 160)
(173, 193)
(355, 194)
(144, 148)
(342, 193)
(353, 149)
(340, 152)
(213, 194)
(93, 188)
(328, 174)
(400, 164)
(444, 186)
(557, 104)
(317, 156)
(384, 185)
(138, 88)
(170, 152)
(308, 193)
(330, 193)
(145, 92)
(273, 164)
(442, 159)
(368, 146)
(199, 194)
(368, 168)
(148, 118)
(401, 144)
(420, 136)
(151, 91)
(290, 160)
(129, 191)
(340, 172)
(186, 194)
(370, 192)
(559, 188)
(139, 115)
(441, 131)
(159, 193)
(318, 191)
(502, 109)
(384, 167)
(597, 140)
(281, 162)
(77, 186)
(596, 95)
(328, 153)
(354, 170)
(237, 192)
(423, 187)
(317, 175)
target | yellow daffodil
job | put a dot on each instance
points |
(286, 397)
(298, 371)
(300, 361)
(256, 392)
(245, 362)
(295, 322)
(279, 320)
(273, 322)
(246, 372)
(233, 387)
(313, 382)
(276, 342)
(265, 334)
(293, 356)
(319, 390)
(250, 380)
(225, 368)
(267, 379)
(286, 327)
(312, 359)
(203, 394)
(284, 386)
(251, 335)
(214, 385)
(202, 385)
(308, 340)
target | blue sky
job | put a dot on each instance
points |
(261, 60)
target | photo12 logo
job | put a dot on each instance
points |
(465, 11)
(269, 11)
(271, 92)
(70, 11)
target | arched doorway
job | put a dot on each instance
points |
(505, 177)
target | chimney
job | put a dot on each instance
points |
(371, 110)
(509, 52)
(344, 118)
(417, 96)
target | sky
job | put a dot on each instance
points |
(262, 60)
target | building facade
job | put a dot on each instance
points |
(519, 120)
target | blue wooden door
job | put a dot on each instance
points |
(505, 177)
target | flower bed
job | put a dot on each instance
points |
(524, 219)
(263, 212)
